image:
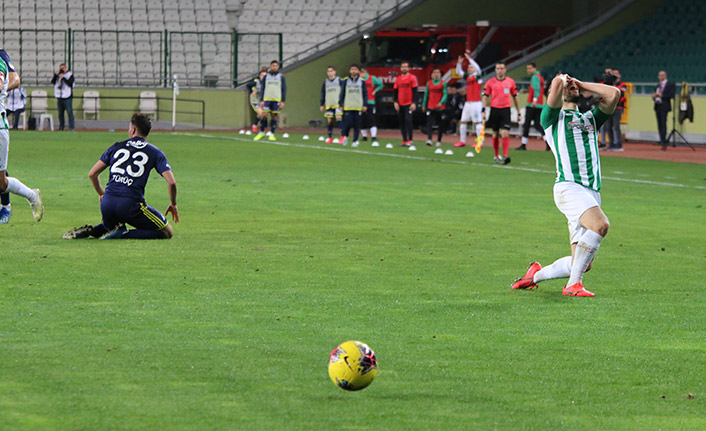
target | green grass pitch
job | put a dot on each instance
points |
(284, 251)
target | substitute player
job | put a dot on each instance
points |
(535, 103)
(373, 85)
(330, 95)
(123, 200)
(255, 89)
(352, 100)
(274, 93)
(473, 108)
(434, 105)
(498, 91)
(405, 89)
(9, 79)
(573, 138)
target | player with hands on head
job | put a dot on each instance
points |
(573, 139)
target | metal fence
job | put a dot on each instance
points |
(119, 108)
(140, 58)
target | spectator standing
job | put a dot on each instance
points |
(274, 94)
(330, 95)
(405, 89)
(616, 137)
(535, 103)
(434, 105)
(473, 108)
(604, 137)
(352, 99)
(663, 95)
(454, 104)
(16, 100)
(373, 85)
(255, 88)
(64, 93)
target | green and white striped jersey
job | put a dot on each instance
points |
(573, 138)
(3, 95)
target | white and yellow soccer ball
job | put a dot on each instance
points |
(352, 366)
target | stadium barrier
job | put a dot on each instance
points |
(120, 108)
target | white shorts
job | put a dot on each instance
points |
(4, 148)
(472, 112)
(573, 200)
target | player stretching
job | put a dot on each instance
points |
(498, 90)
(255, 89)
(330, 95)
(535, 103)
(373, 85)
(123, 200)
(352, 100)
(405, 88)
(274, 93)
(434, 104)
(473, 108)
(9, 79)
(573, 138)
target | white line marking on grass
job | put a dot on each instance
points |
(456, 162)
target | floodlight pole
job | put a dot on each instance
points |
(175, 93)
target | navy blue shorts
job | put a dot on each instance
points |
(116, 209)
(271, 106)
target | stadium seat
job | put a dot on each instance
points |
(91, 104)
(39, 105)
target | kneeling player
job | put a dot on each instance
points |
(123, 200)
(573, 138)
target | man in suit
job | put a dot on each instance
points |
(663, 95)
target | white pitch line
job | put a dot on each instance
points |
(457, 162)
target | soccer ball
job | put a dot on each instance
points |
(352, 366)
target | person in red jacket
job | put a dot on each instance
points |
(405, 89)
(497, 93)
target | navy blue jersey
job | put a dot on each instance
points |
(4, 56)
(130, 164)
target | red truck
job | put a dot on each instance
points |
(432, 46)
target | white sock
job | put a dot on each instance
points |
(561, 268)
(479, 129)
(7, 207)
(373, 132)
(462, 132)
(15, 186)
(585, 250)
(364, 133)
(524, 140)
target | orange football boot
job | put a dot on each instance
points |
(527, 280)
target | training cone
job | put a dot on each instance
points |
(412, 148)
(305, 137)
(438, 151)
(248, 132)
(321, 139)
(241, 132)
(285, 135)
(376, 144)
(335, 140)
(449, 153)
(389, 145)
(470, 154)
